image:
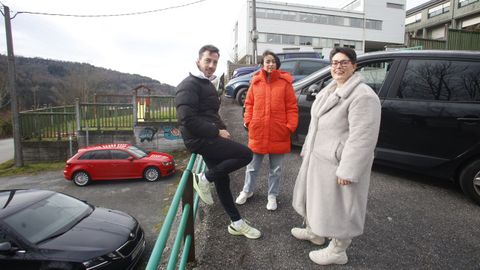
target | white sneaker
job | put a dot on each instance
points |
(244, 229)
(306, 234)
(272, 203)
(202, 188)
(242, 198)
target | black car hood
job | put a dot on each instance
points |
(100, 233)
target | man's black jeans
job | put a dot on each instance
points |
(223, 156)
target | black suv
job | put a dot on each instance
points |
(430, 111)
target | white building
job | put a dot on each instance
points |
(365, 25)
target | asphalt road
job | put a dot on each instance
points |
(412, 222)
(6, 149)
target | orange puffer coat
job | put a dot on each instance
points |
(271, 112)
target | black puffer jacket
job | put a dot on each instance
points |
(197, 111)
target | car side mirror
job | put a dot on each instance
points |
(312, 91)
(5, 247)
(130, 158)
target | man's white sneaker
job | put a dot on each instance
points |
(306, 234)
(272, 203)
(244, 229)
(202, 188)
(242, 198)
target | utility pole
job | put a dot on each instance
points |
(13, 94)
(254, 33)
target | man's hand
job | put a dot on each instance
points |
(224, 133)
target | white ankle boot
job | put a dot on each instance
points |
(307, 234)
(333, 254)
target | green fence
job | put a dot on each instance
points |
(105, 116)
(456, 40)
(186, 229)
(46, 125)
(63, 121)
(156, 108)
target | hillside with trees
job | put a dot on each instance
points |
(42, 82)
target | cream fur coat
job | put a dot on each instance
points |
(340, 142)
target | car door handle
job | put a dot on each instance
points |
(469, 119)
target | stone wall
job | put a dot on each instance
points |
(48, 151)
(166, 138)
(85, 138)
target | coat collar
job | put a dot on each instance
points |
(274, 75)
(331, 97)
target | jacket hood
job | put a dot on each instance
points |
(277, 74)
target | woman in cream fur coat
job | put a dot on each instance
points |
(331, 188)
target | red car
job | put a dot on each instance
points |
(117, 161)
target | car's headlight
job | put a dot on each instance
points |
(102, 260)
(167, 163)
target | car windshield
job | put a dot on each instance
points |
(48, 217)
(137, 151)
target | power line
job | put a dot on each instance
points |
(106, 15)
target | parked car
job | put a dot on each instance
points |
(430, 111)
(117, 161)
(296, 54)
(42, 229)
(244, 71)
(298, 67)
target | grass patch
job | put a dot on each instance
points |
(8, 168)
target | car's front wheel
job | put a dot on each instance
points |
(241, 95)
(81, 178)
(151, 174)
(470, 180)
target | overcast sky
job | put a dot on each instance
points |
(162, 45)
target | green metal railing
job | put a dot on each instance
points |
(105, 116)
(46, 125)
(156, 108)
(186, 227)
(63, 121)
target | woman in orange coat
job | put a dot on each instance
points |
(271, 116)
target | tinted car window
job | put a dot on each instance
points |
(441, 80)
(375, 73)
(288, 66)
(308, 67)
(100, 154)
(119, 154)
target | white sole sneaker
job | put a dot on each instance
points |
(245, 230)
(242, 198)
(272, 203)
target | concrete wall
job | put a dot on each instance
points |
(48, 151)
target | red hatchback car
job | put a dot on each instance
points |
(117, 161)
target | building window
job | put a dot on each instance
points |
(438, 10)
(356, 22)
(274, 38)
(288, 39)
(306, 40)
(373, 24)
(306, 17)
(261, 13)
(289, 16)
(413, 19)
(462, 3)
(393, 5)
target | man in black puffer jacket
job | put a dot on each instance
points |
(204, 133)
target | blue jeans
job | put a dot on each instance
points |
(274, 174)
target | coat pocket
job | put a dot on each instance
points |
(338, 151)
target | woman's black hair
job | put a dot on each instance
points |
(350, 53)
(277, 60)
